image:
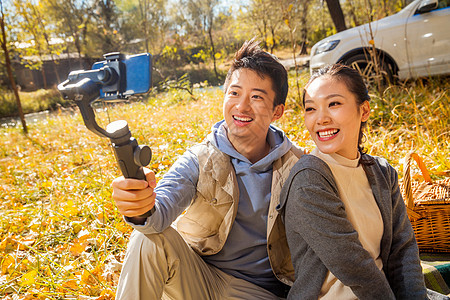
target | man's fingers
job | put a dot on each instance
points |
(135, 212)
(123, 183)
(131, 195)
(135, 208)
(134, 205)
(150, 177)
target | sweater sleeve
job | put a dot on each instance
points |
(174, 194)
(403, 268)
(321, 238)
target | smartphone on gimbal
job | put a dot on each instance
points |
(138, 74)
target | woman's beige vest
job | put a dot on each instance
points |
(207, 222)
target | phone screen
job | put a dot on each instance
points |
(138, 73)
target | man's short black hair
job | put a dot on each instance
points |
(252, 57)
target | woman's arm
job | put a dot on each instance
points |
(403, 269)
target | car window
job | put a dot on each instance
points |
(443, 3)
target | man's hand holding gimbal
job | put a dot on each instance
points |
(134, 197)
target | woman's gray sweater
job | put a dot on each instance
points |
(322, 239)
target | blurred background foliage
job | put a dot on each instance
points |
(182, 35)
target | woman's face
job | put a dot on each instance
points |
(333, 117)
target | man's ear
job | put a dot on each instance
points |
(365, 111)
(278, 112)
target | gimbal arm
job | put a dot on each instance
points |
(129, 155)
(84, 92)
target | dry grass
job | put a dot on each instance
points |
(60, 234)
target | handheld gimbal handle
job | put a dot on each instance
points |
(129, 155)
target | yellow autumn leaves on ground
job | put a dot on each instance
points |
(61, 236)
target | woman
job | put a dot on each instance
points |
(346, 223)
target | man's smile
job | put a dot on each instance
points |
(242, 118)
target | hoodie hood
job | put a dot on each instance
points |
(279, 145)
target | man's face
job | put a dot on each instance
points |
(248, 106)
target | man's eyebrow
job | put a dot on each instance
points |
(254, 89)
(261, 90)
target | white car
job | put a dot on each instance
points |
(414, 42)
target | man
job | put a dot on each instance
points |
(228, 241)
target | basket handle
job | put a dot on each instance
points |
(407, 176)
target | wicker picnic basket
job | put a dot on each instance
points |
(428, 205)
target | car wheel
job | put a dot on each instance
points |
(366, 67)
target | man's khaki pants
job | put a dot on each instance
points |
(163, 266)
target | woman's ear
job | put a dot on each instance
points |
(365, 111)
(278, 112)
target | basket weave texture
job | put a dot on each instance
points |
(428, 206)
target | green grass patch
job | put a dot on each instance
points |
(31, 102)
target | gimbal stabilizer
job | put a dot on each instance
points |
(84, 88)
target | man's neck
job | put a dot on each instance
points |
(251, 150)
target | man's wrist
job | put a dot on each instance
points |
(136, 220)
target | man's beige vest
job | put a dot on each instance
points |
(207, 222)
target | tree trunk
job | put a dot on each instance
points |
(44, 78)
(143, 10)
(272, 47)
(213, 50)
(353, 14)
(10, 73)
(304, 28)
(334, 7)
